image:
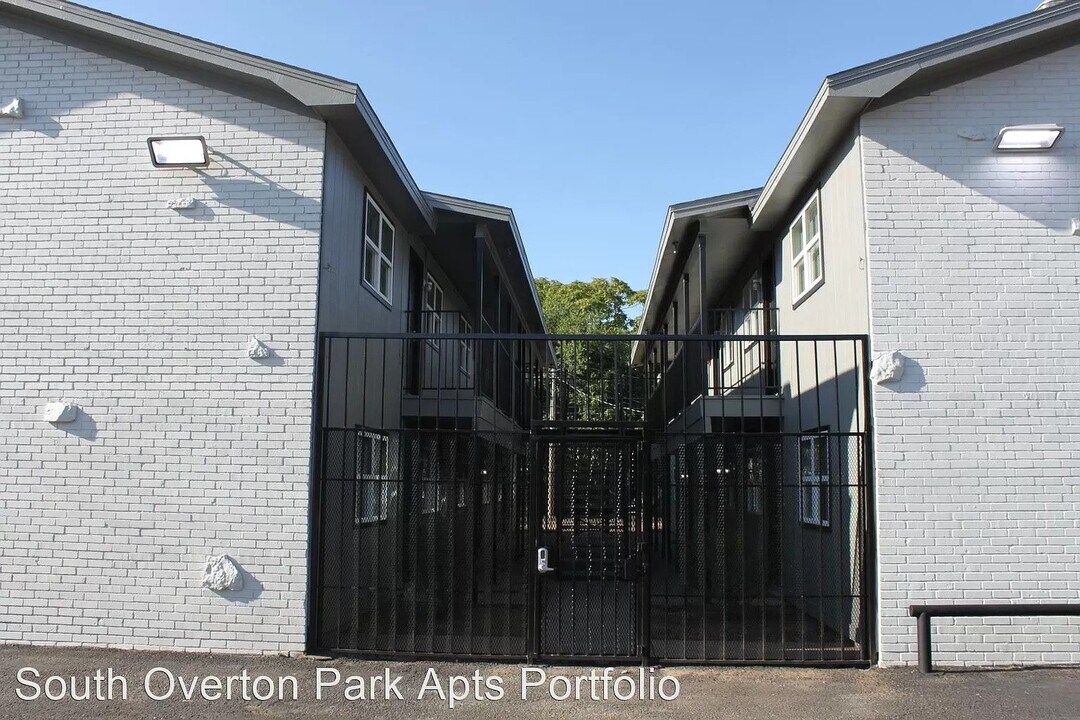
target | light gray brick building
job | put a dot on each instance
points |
(232, 325)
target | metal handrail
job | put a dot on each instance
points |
(925, 613)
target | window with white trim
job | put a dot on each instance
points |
(465, 353)
(433, 307)
(807, 262)
(373, 473)
(814, 478)
(378, 252)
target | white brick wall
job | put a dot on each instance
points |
(976, 279)
(141, 314)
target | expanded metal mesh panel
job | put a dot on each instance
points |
(424, 551)
(757, 555)
(591, 525)
(707, 502)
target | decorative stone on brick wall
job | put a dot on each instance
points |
(257, 349)
(12, 109)
(887, 367)
(60, 412)
(182, 203)
(221, 574)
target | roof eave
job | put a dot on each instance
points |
(844, 96)
(323, 95)
(741, 201)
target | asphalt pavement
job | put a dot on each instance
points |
(154, 685)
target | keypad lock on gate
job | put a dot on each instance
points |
(542, 566)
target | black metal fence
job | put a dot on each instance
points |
(593, 498)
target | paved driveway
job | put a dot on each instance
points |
(787, 694)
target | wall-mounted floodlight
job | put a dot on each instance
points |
(1028, 137)
(178, 151)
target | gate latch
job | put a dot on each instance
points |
(542, 561)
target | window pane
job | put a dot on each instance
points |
(813, 225)
(796, 239)
(800, 277)
(378, 458)
(806, 457)
(372, 217)
(371, 263)
(363, 463)
(815, 263)
(384, 278)
(821, 459)
(387, 240)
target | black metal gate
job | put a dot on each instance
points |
(589, 521)
(590, 498)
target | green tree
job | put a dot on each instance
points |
(601, 306)
(593, 380)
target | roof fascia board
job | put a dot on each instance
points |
(878, 78)
(308, 87)
(367, 112)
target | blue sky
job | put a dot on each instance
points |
(588, 117)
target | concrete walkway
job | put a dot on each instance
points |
(775, 694)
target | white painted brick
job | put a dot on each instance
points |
(141, 315)
(975, 278)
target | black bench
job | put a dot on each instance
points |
(925, 612)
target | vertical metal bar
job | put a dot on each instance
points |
(436, 475)
(824, 503)
(315, 591)
(926, 664)
(474, 518)
(866, 500)
(801, 575)
(532, 576)
(346, 522)
(375, 530)
(845, 556)
(643, 470)
(759, 482)
(779, 466)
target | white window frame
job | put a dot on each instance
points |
(465, 353)
(814, 480)
(375, 250)
(802, 258)
(433, 310)
(375, 481)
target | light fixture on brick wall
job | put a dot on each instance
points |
(1015, 138)
(188, 151)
